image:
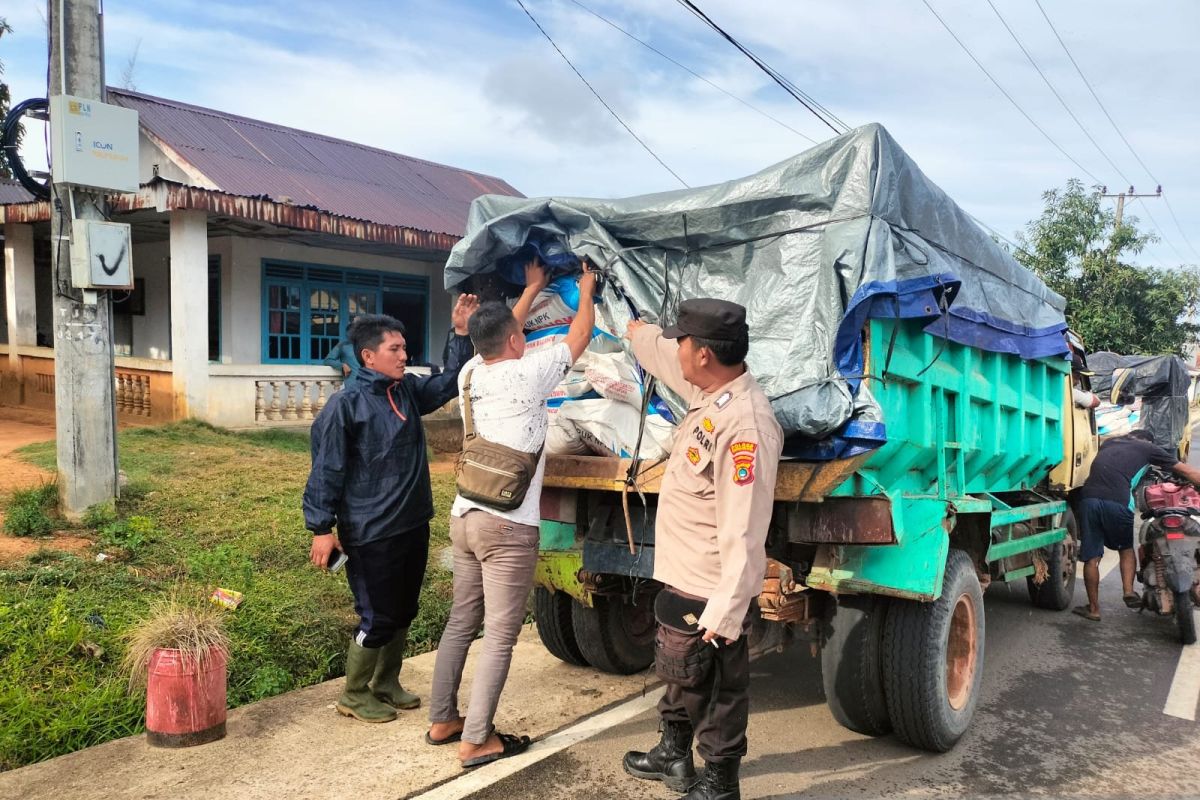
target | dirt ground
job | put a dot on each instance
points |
(19, 427)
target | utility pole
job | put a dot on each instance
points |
(85, 414)
(1121, 199)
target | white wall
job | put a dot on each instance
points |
(241, 293)
(246, 289)
(152, 331)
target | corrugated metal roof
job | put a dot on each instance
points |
(251, 158)
(13, 192)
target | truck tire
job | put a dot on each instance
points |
(1058, 589)
(852, 664)
(1184, 617)
(552, 613)
(934, 654)
(616, 635)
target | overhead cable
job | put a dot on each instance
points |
(592, 89)
(816, 109)
(693, 73)
(1008, 96)
(1113, 122)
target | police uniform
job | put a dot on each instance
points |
(714, 510)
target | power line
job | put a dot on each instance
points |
(1008, 96)
(615, 115)
(693, 73)
(1050, 86)
(1113, 122)
(823, 114)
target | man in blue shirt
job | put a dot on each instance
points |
(341, 357)
(370, 481)
(1106, 510)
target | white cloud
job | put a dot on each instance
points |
(474, 84)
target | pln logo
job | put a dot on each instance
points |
(79, 108)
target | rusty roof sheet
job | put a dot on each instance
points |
(251, 158)
(13, 192)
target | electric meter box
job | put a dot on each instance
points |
(94, 145)
(101, 255)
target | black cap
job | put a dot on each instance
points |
(709, 318)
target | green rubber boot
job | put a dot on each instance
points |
(386, 683)
(357, 700)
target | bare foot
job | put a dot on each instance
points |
(469, 750)
(442, 731)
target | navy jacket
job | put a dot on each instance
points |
(370, 474)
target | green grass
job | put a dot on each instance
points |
(31, 512)
(203, 508)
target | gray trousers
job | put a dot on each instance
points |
(494, 560)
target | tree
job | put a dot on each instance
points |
(1080, 251)
(5, 98)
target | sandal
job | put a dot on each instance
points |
(1133, 600)
(454, 737)
(512, 746)
(1086, 613)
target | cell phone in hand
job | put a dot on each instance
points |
(337, 560)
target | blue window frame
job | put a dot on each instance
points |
(307, 307)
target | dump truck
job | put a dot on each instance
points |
(923, 379)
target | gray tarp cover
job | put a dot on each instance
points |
(849, 226)
(1162, 383)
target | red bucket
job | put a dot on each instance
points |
(185, 699)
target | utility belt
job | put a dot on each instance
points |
(681, 656)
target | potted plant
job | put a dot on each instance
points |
(179, 653)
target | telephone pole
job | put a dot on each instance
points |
(1121, 199)
(85, 414)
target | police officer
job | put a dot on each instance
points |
(710, 533)
(370, 480)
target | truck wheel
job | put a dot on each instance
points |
(616, 635)
(1185, 618)
(852, 666)
(1057, 590)
(552, 613)
(934, 654)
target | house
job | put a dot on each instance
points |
(254, 245)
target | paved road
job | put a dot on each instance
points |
(1069, 709)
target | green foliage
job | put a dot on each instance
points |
(203, 508)
(1077, 247)
(5, 100)
(32, 512)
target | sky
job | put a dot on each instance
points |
(474, 84)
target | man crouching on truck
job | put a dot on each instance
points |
(714, 508)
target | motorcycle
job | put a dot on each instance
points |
(1168, 551)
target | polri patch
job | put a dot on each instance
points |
(743, 462)
(724, 399)
(707, 424)
(693, 455)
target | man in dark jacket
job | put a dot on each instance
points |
(370, 480)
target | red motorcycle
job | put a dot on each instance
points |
(1169, 551)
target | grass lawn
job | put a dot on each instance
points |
(204, 508)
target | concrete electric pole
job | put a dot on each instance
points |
(85, 414)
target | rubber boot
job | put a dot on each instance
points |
(386, 683)
(357, 700)
(669, 761)
(719, 781)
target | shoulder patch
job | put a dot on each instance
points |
(693, 455)
(724, 399)
(743, 462)
(707, 424)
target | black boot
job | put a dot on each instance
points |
(669, 761)
(719, 781)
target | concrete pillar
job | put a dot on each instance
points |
(189, 313)
(19, 291)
